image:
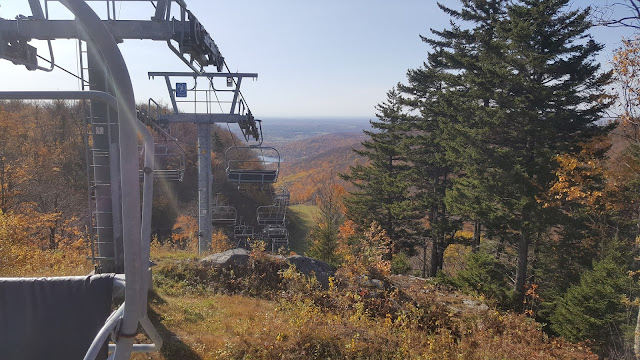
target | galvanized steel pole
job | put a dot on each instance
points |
(204, 188)
(128, 131)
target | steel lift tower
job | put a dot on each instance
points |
(185, 36)
(206, 105)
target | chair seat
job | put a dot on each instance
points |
(52, 318)
(253, 176)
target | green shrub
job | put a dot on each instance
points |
(484, 275)
(593, 309)
(400, 264)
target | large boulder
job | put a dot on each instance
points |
(233, 258)
(309, 266)
(239, 258)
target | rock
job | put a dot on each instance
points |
(476, 305)
(307, 266)
(374, 283)
(231, 258)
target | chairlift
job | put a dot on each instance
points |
(242, 231)
(170, 157)
(278, 235)
(252, 164)
(282, 198)
(243, 234)
(271, 215)
(223, 214)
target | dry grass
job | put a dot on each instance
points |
(407, 318)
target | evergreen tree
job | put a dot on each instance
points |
(554, 96)
(323, 237)
(593, 309)
(446, 98)
(522, 86)
(430, 171)
(381, 186)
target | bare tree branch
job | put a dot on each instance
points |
(606, 15)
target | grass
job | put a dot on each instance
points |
(205, 313)
(269, 311)
(301, 217)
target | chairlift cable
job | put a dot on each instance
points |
(216, 94)
(221, 110)
(63, 69)
(234, 83)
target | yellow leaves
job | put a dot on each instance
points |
(626, 62)
(185, 232)
(22, 251)
(577, 180)
(366, 254)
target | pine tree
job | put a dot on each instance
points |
(523, 87)
(441, 92)
(554, 96)
(381, 186)
(324, 234)
(430, 171)
(593, 309)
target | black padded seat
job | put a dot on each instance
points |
(52, 318)
(253, 176)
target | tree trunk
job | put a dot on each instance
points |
(433, 269)
(521, 271)
(424, 257)
(636, 338)
(52, 238)
(477, 228)
(3, 200)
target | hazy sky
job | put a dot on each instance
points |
(332, 58)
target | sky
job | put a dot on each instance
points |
(330, 59)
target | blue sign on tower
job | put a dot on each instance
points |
(181, 89)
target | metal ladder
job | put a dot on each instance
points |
(97, 160)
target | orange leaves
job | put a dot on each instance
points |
(185, 232)
(364, 254)
(347, 230)
(626, 62)
(579, 178)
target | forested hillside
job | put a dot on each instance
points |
(311, 162)
(44, 197)
(491, 163)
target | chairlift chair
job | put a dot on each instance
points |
(278, 235)
(282, 198)
(243, 233)
(223, 214)
(252, 164)
(271, 215)
(165, 152)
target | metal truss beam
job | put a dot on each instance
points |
(36, 29)
(203, 118)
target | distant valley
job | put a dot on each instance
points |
(313, 151)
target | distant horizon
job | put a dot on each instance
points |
(317, 118)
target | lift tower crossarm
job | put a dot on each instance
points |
(36, 29)
(187, 32)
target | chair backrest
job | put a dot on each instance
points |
(52, 318)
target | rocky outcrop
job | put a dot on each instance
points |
(239, 258)
(231, 258)
(309, 266)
